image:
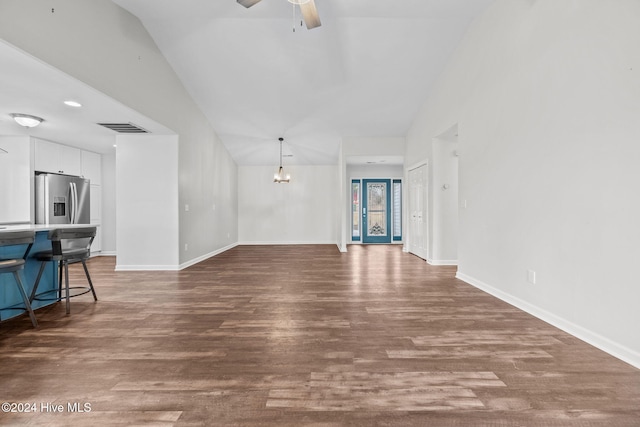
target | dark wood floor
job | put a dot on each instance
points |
(305, 335)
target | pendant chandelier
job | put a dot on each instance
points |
(281, 177)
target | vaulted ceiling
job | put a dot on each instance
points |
(364, 72)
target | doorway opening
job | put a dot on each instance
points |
(376, 210)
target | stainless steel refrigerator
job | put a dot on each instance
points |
(62, 199)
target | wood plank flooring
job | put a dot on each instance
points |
(304, 335)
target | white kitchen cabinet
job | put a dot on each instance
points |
(57, 158)
(91, 167)
(70, 160)
(46, 156)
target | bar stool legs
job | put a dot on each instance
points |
(79, 241)
(27, 304)
(15, 265)
(63, 273)
(86, 272)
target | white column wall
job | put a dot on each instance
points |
(108, 204)
(147, 202)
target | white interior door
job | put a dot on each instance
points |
(418, 211)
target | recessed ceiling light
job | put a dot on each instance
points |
(73, 104)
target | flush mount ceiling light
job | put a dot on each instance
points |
(27, 120)
(280, 177)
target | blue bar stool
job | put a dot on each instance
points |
(14, 265)
(67, 245)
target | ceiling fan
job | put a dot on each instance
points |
(307, 8)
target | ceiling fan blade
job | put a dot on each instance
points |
(310, 14)
(248, 3)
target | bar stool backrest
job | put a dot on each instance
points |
(14, 238)
(63, 239)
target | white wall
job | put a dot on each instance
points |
(15, 179)
(106, 47)
(108, 204)
(443, 247)
(375, 171)
(147, 202)
(344, 213)
(547, 98)
(302, 211)
(373, 146)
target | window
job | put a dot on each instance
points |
(355, 210)
(397, 210)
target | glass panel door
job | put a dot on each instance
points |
(376, 211)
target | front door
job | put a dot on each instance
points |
(376, 211)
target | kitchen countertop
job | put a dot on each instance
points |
(40, 227)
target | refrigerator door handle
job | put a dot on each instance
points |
(73, 202)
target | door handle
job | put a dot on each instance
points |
(74, 203)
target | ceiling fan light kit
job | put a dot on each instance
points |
(307, 9)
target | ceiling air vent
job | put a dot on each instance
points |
(124, 127)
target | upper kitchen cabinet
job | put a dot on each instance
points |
(57, 158)
(91, 167)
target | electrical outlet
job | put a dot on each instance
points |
(186, 208)
(531, 276)
(186, 246)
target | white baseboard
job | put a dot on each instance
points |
(105, 253)
(173, 267)
(613, 348)
(267, 243)
(442, 261)
(167, 267)
(206, 256)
